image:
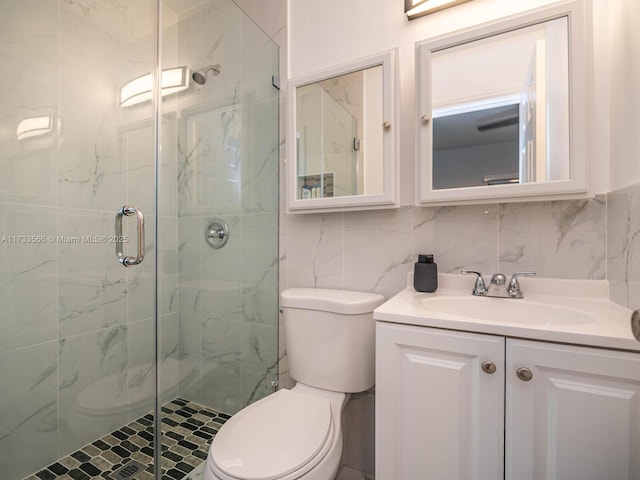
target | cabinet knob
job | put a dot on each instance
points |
(488, 367)
(524, 374)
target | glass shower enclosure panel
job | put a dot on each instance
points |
(327, 144)
(76, 327)
(227, 174)
(220, 160)
(86, 153)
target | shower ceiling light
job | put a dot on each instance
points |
(139, 89)
(419, 8)
(34, 126)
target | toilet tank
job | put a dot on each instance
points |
(330, 337)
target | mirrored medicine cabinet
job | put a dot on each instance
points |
(342, 137)
(502, 110)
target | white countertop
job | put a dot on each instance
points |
(611, 329)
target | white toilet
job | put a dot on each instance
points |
(297, 433)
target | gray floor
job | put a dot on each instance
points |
(347, 473)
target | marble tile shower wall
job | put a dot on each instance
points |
(623, 245)
(71, 315)
(228, 169)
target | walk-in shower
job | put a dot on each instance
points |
(92, 312)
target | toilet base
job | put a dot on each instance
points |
(327, 469)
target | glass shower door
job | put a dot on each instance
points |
(76, 327)
(84, 153)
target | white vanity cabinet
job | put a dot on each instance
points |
(438, 415)
(451, 405)
(578, 417)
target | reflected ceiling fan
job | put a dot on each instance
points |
(498, 120)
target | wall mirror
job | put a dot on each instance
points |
(342, 138)
(502, 110)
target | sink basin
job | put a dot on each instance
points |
(504, 310)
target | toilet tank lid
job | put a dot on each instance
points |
(346, 302)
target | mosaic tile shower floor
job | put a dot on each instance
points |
(187, 434)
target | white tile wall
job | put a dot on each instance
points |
(28, 274)
(29, 382)
(99, 355)
(623, 241)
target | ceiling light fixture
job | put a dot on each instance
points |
(34, 126)
(419, 8)
(139, 89)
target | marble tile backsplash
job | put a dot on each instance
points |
(555, 239)
(373, 251)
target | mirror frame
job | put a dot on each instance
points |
(580, 185)
(389, 198)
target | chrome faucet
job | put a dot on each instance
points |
(480, 288)
(498, 286)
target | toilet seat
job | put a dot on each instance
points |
(281, 436)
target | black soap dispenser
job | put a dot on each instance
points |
(425, 274)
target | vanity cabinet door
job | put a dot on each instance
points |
(577, 417)
(438, 414)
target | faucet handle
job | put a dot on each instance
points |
(514, 286)
(480, 288)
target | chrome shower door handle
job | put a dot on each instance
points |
(129, 211)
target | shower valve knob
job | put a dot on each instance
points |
(217, 233)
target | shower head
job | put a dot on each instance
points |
(200, 76)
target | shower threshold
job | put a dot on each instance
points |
(188, 429)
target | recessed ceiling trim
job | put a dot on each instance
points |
(419, 8)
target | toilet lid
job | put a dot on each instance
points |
(273, 437)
